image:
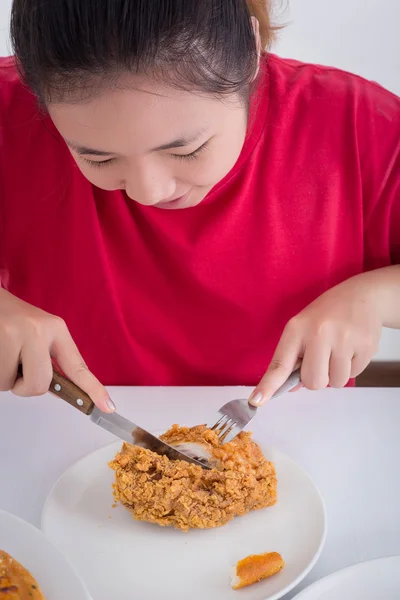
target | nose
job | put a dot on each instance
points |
(149, 184)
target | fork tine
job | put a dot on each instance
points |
(231, 434)
(224, 436)
(225, 428)
(231, 419)
(235, 415)
(219, 422)
(214, 422)
(224, 423)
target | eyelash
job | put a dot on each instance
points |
(104, 163)
(192, 155)
(97, 164)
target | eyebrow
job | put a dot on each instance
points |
(86, 150)
(178, 143)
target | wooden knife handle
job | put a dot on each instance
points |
(69, 392)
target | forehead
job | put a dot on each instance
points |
(144, 114)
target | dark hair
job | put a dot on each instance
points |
(68, 49)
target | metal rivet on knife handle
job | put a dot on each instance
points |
(71, 393)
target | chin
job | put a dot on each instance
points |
(169, 206)
(181, 203)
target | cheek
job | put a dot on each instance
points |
(222, 159)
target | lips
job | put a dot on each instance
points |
(174, 203)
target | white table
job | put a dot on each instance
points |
(347, 440)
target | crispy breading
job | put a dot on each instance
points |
(16, 583)
(184, 495)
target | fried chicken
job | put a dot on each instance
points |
(16, 583)
(183, 495)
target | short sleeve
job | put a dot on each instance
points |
(379, 147)
(394, 217)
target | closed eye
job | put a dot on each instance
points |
(193, 154)
(99, 163)
(109, 161)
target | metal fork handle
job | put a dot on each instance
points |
(291, 382)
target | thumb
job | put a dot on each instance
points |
(68, 357)
(282, 374)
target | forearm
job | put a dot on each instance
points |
(385, 285)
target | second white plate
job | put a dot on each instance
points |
(123, 559)
(28, 546)
(371, 580)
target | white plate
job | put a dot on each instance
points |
(27, 545)
(372, 580)
(124, 559)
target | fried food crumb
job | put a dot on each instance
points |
(185, 496)
(256, 567)
(16, 583)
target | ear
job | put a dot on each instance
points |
(256, 29)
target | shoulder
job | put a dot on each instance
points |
(333, 105)
(16, 100)
(352, 123)
(22, 122)
(21, 117)
(24, 126)
(8, 72)
(34, 160)
(319, 84)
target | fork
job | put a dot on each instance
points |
(233, 416)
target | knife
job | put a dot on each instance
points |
(114, 423)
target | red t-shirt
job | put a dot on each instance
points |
(200, 296)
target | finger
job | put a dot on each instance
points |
(282, 365)
(37, 371)
(339, 369)
(297, 388)
(315, 365)
(67, 355)
(358, 364)
(9, 358)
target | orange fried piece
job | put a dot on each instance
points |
(256, 567)
(16, 583)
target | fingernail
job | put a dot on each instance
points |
(257, 399)
(110, 404)
(297, 388)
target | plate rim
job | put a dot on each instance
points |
(263, 447)
(40, 533)
(302, 595)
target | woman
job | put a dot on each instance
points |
(186, 208)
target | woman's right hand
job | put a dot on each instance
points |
(32, 337)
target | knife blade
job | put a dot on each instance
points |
(114, 423)
(135, 435)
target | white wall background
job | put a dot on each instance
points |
(361, 36)
(5, 7)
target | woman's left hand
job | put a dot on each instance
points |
(334, 338)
